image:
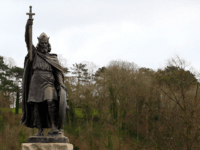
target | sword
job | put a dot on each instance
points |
(30, 32)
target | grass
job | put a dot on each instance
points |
(5, 109)
(20, 111)
(10, 110)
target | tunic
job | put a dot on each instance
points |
(42, 85)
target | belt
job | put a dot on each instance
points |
(42, 72)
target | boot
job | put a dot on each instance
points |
(51, 108)
(37, 120)
(40, 132)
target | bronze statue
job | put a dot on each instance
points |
(44, 95)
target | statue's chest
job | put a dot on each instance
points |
(41, 64)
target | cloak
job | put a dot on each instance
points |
(28, 108)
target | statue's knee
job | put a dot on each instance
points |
(50, 102)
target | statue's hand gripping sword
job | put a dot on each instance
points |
(30, 32)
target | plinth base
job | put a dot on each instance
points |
(48, 139)
(47, 146)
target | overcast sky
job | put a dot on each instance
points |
(146, 32)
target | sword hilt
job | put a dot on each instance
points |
(30, 9)
(30, 13)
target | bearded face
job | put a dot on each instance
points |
(43, 46)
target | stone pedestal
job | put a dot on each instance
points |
(47, 146)
(54, 141)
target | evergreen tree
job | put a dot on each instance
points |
(6, 84)
(17, 73)
(10, 80)
(80, 71)
(99, 71)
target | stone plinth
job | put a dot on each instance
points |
(53, 141)
(47, 146)
(57, 137)
(48, 139)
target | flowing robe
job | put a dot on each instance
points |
(37, 89)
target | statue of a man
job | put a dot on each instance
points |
(43, 81)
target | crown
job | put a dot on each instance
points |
(43, 37)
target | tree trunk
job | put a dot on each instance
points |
(17, 103)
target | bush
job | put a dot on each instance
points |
(22, 137)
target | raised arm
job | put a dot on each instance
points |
(29, 23)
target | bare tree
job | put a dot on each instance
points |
(182, 103)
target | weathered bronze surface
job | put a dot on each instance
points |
(30, 32)
(52, 138)
(44, 95)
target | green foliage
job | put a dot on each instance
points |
(173, 75)
(96, 117)
(80, 71)
(113, 104)
(70, 115)
(71, 129)
(5, 110)
(17, 73)
(79, 113)
(19, 111)
(2, 126)
(134, 108)
(76, 147)
(100, 71)
(22, 137)
(86, 110)
(110, 143)
(17, 103)
(5, 83)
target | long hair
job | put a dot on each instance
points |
(49, 46)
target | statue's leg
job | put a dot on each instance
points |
(38, 119)
(52, 108)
